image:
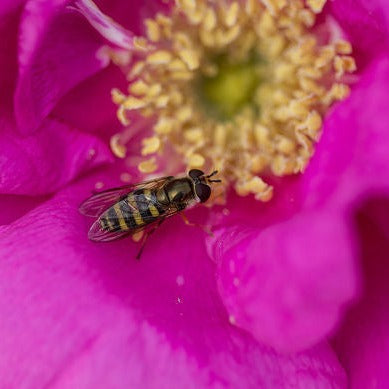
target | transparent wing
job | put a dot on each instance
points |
(95, 205)
(98, 234)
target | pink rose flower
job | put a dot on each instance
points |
(295, 293)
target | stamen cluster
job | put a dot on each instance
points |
(239, 86)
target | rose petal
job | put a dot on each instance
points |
(7, 7)
(13, 207)
(363, 340)
(366, 24)
(8, 60)
(89, 106)
(42, 163)
(287, 284)
(81, 314)
(352, 160)
(57, 50)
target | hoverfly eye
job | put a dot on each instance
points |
(203, 192)
(194, 174)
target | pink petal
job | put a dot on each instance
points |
(7, 7)
(89, 106)
(8, 53)
(80, 314)
(57, 50)
(363, 340)
(41, 163)
(366, 24)
(13, 207)
(352, 159)
(286, 284)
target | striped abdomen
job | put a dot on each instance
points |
(139, 208)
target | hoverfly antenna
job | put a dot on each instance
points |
(212, 174)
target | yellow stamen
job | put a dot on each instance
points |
(187, 4)
(160, 57)
(132, 103)
(209, 21)
(117, 96)
(232, 14)
(344, 64)
(190, 58)
(343, 47)
(116, 147)
(150, 145)
(153, 30)
(316, 5)
(196, 161)
(164, 126)
(139, 88)
(194, 135)
(148, 166)
(122, 115)
(136, 70)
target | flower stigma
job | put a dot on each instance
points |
(241, 87)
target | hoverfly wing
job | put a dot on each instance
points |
(95, 205)
(98, 234)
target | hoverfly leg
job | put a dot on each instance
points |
(141, 248)
(145, 237)
(206, 229)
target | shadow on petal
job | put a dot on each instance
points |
(362, 342)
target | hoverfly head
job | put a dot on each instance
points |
(202, 183)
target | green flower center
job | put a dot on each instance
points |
(232, 88)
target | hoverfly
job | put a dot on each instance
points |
(130, 209)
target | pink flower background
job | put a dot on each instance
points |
(293, 293)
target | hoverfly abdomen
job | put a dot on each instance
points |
(137, 209)
(147, 205)
(118, 217)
